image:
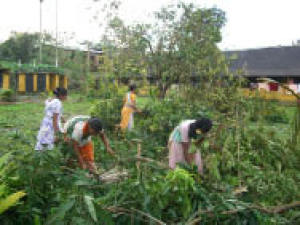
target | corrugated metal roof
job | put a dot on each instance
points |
(273, 61)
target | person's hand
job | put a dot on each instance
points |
(56, 139)
(66, 139)
(82, 164)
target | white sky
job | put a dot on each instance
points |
(250, 23)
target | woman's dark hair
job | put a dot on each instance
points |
(60, 92)
(204, 124)
(95, 123)
(132, 87)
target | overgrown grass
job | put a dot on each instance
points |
(23, 119)
(54, 195)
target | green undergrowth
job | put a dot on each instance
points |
(247, 166)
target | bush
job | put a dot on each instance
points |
(7, 95)
(108, 109)
(276, 115)
(268, 111)
(162, 116)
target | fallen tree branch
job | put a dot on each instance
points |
(144, 159)
(210, 213)
(149, 216)
(277, 209)
(271, 210)
(115, 209)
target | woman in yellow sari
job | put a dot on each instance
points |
(129, 108)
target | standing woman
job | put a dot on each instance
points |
(50, 126)
(180, 142)
(129, 108)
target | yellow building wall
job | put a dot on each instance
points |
(52, 81)
(65, 82)
(22, 82)
(35, 78)
(56, 81)
(5, 81)
(48, 88)
(270, 95)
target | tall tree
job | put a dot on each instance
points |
(182, 43)
(25, 47)
(20, 46)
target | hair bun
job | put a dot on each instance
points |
(60, 91)
(56, 91)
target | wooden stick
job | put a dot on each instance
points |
(146, 160)
(270, 210)
(149, 216)
(115, 209)
(138, 163)
(277, 209)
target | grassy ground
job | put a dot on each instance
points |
(267, 180)
(24, 119)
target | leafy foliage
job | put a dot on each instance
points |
(179, 47)
(250, 163)
(56, 194)
(6, 95)
(7, 199)
(110, 105)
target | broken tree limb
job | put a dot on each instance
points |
(115, 209)
(146, 160)
(270, 210)
(149, 216)
(277, 209)
(210, 213)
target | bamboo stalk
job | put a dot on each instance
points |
(138, 163)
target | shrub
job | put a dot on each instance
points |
(162, 116)
(7, 95)
(108, 109)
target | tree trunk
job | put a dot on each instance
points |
(163, 88)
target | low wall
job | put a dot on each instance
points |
(270, 95)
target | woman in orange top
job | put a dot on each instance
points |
(129, 108)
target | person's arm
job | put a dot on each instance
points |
(133, 104)
(106, 143)
(66, 138)
(135, 108)
(62, 119)
(55, 126)
(199, 142)
(57, 108)
(185, 148)
(55, 122)
(76, 150)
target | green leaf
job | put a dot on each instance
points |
(90, 205)
(37, 220)
(2, 189)
(61, 211)
(10, 201)
(4, 158)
